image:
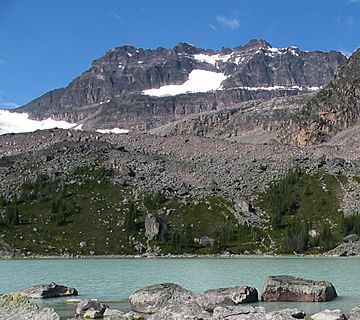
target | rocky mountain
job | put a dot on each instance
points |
(302, 120)
(333, 109)
(135, 88)
(210, 173)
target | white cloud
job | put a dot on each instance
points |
(117, 17)
(213, 28)
(231, 23)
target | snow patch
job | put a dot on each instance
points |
(212, 59)
(78, 127)
(272, 52)
(12, 122)
(115, 130)
(199, 81)
(273, 88)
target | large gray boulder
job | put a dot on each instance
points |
(288, 288)
(189, 310)
(90, 308)
(350, 238)
(51, 290)
(227, 296)
(16, 307)
(329, 315)
(152, 227)
(152, 298)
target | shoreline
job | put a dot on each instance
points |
(181, 256)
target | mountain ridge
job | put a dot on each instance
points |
(111, 93)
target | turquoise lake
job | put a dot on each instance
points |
(112, 280)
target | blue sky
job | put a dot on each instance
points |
(44, 44)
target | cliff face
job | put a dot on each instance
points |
(112, 92)
(333, 109)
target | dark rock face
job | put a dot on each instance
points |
(333, 109)
(227, 296)
(288, 288)
(111, 88)
(51, 290)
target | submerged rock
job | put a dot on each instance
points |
(288, 288)
(227, 296)
(152, 298)
(329, 315)
(51, 290)
(16, 307)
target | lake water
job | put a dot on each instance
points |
(112, 280)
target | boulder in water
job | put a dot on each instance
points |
(51, 290)
(288, 288)
(227, 296)
(151, 299)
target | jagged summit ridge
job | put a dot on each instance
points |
(114, 91)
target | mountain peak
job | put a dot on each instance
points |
(186, 48)
(260, 43)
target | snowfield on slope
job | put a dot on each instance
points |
(12, 122)
(199, 81)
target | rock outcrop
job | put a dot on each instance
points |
(334, 108)
(227, 296)
(345, 249)
(44, 291)
(288, 288)
(16, 307)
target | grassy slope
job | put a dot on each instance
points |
(99, 210)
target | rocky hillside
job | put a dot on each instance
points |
(129, 87)
(333, 109)
(116, 194)
(302, 120)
